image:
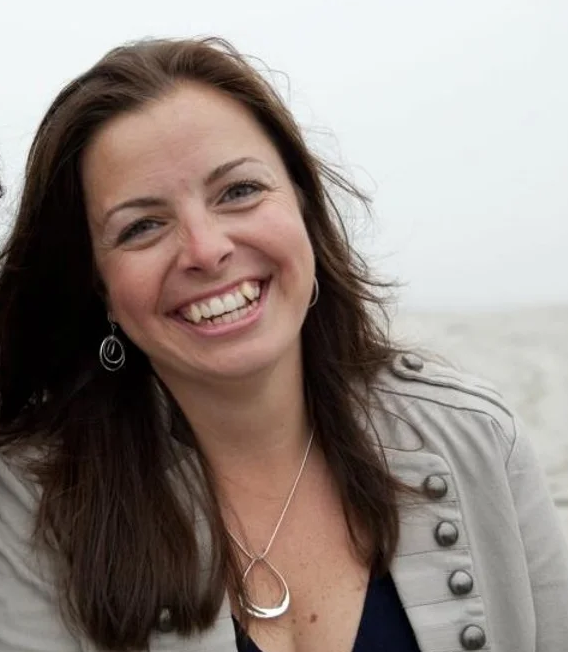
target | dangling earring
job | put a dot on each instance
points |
(112, 353)
(316, 293)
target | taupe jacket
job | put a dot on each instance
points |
(482, 564)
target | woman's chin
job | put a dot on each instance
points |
(233, 367)
(241, 368)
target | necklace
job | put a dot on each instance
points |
(284, 602)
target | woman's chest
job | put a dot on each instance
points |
(325, 578)
(327, 585)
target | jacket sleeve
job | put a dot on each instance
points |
(30, 619)
(545, 545)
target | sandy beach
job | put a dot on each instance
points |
(524, 352)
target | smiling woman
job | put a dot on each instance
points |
(207, 441)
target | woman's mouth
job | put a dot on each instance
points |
(226, 308)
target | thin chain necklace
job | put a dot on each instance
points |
(284, 602)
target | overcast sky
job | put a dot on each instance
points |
(453, 114)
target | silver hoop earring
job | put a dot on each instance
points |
(316, 293)
(112, 353)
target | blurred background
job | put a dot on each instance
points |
(451, 115)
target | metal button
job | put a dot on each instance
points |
(165, 622)
(435, 486)
(412, 361)
(446, 533)
(460, 582)
(472, 638)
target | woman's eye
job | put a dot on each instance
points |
(242, 190)
(138, 228)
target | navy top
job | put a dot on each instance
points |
(384, 626)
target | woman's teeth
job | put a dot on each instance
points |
(225, 308)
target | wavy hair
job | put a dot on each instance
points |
(120, 495)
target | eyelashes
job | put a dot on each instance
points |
(242, 190)
(138, 228)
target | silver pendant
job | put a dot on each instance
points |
(257, 611)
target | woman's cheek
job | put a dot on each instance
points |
(132, 289)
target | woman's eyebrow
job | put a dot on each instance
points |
(224, 168)
(137, 202)
(153, 202)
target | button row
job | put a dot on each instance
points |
(446, 534)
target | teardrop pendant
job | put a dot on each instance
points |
(266, 612)
(255, 610)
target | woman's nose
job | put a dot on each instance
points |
(205, 245)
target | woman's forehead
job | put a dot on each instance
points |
(182, 137)
(189, 123)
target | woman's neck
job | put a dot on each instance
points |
(255, 427)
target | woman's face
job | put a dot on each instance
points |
(198, 237)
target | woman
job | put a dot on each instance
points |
(207, 442)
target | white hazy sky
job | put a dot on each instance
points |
(452, 113)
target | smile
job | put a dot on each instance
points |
(225, 308)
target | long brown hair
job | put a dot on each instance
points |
(118, 506)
